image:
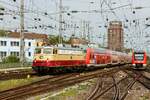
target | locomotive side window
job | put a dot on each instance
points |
(139, 56)
(47, 51)
(38, 51)
(54, 51)
(70, 52)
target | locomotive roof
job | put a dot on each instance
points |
(63, 48)
(139, 51)
(102, 50)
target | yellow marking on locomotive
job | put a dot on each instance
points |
(68, 57)
(59, 57)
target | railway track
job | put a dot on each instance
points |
(137, 76)
(49, 85)
(16, 74)
(129, 86)
(114, 85)
(144, 80)
(118, 90)
(24, 73)
(53, 83)
(30, 88)
(98, 88)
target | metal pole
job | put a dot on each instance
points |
(88, 33)
(74, 31)
(60, 21)
(22, 53)
(103, 40)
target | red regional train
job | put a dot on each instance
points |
(139, 59)
(48, 58)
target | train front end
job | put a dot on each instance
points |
(139, 60)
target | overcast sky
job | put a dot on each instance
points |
(135, 15)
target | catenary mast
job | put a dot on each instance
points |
(22, 52)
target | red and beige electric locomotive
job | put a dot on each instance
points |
(48, 58)
(139, 59)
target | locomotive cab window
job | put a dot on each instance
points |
(38, 51)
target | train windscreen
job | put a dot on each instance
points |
(139, 56)
(38, 51)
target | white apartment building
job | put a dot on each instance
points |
(11, 46)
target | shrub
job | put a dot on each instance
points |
(10, 59)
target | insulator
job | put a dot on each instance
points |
(35, 27)
(40, 26)
(68, 14)
(107, 19)
(14, 17)
(45, 13)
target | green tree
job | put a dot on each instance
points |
(10, 59)
(54, 40)
(3, 33)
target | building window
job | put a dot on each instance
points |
(15, 54)
(29, 44)
(3, 54)
(14, 43)
(29, 54)
(3, 43)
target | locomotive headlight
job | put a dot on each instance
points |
(144, 65)
(47, 60)
(133, 64)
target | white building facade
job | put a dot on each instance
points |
(11, 46)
